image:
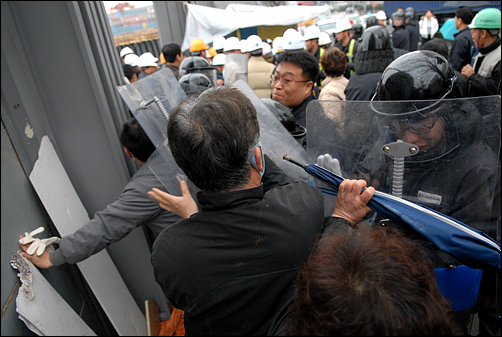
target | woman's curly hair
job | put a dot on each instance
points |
(334, 62)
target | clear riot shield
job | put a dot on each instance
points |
(275, 138)
(236, 68)
(162, 164)
(150, 100)
(440, 154)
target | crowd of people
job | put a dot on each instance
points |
(254, 253)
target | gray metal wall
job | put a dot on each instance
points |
(60, 70)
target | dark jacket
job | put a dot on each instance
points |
(460, 52)
(232, 266)
(414, 32)
(368, 68)
(300, 112)
(401, 38)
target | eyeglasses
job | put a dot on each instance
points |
(398, 127)
(285, 80)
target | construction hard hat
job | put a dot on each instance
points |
(324, 39)
(125, 51)
(131, 59)
(218, 43)
(277, 45)
(219, 59)
(488, 18)
(232, 43)
(267, 50)
(381, 15)
(342, 25)
(211, 53)
(147, 60)
(197, 45)
(253, 43)
(311, 32)
(293, 40)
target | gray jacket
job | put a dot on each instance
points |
(132, 209)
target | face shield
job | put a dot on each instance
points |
(236, 68)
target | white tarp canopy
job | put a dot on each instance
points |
(207, 23)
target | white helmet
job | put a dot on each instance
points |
(311, 32)
(324, 39)
(293, 40)
(277, 45)
(232, 43)
(218, 42)
(131, 59)
(125, 51)
(342, 25)
(243, 46)
(254, 42)
(381, 15)
(267, 50)
(147, 60)
(219, 59)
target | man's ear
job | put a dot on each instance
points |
(309, 86)
(258, 157)
(126, 150)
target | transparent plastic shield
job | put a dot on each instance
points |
(447, 160)
(275, 138)
(164, 167)
(150, 100)
(236, 68)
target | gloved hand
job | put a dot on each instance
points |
(38, 245)
(329, 163)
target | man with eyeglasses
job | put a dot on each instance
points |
(433, 151)
(293, 82)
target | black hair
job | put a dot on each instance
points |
(135, 139)
(170, 51)
(437, 45)
(129, 71)
(465, 13)
(304, 60)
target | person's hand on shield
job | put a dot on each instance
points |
(184, 206)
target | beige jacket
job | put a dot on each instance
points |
(259, 74)
(333, 88)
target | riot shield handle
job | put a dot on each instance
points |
(145, 104)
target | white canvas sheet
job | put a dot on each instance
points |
(207, 23)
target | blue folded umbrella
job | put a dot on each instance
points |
(470, 246)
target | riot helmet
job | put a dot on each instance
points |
(357, 28)
(195, 83)
(371, 21)
(197, 64)
(284, 115)
(409, 13)
(375, 38)
(414, 94)
(399, 15)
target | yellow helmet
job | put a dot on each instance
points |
(211, 52)
(197, 45)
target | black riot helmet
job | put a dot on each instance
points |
(398, 15)
(409, 13)
(417, 76)
(371, 21)
(357, 28)
(284, 115)
(195, 83)
(197, 64)
(374, 38)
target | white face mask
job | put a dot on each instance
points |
(253, 160)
